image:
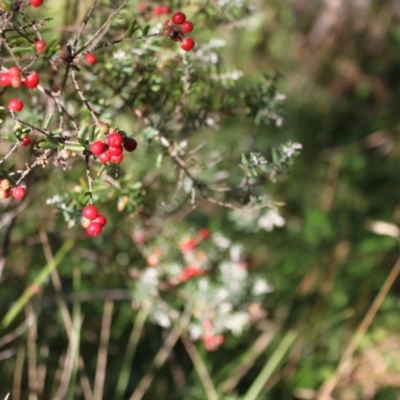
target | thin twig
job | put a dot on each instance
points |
(19, 367)
(201, 369)
(160, 358)
(83, 98)
(102, 355)
(325, 392)
(31, 346)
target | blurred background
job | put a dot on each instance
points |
(327, 259)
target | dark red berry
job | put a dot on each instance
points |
(26, 141)
(18, 192)
(178, 17)
(90, 212)
(40, 46)
(94, 229)
(101, 219)
(187, 44)
(5, 79)
(36, 3)
(115, 151)
(15, 105)
(98, 147)
(187, 26)
(32, 80)
(114, 139)
(105, 157)
(165, 9)
(91, 58)
(130, 144)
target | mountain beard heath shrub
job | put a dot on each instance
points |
(123, 119)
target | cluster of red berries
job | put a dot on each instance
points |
(13, 78)
(190, 244)
(211, 339)
(157, 9)
(176, 27)
(6, 190)
(160, 10)
(92, 220)
(192, 271)
(111, 150)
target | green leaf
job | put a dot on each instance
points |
(146, 30)
(82, 132)
(132, 28)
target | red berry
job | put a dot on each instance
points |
(114, 139)
(187, 44)
(16, 81)
(188, 245)
(26, 141)
(101, 219)
(90, 212)
(105, 157)
(40, 46)
(94, 228)
(5, 79)
(187, 26)
(157, 10)
(165, 9)
(115, 151)
(18, 192)
(204, 233)
(36, 3)
(14, 71)
(178, 17)
(15, 105)
(91, 58)
(98, 147)
(130, 144)
(117, 159)
(32, 80)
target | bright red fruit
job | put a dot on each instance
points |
(94, 229)
(101, 219)
(117, 159)
(187, 44)
(90, 212)
(32, 80)
(115, 151)
(5, 79)
(188, 245)
(178, 17)
(18, 192)
(114, 139)
(14, 71)
(157, 10)
(105, 157)
(91, 58)
(36, 3)
(26, 141)
(15, 105)
(40, 46)
(187, 26)
(98, 147)
(130, 144)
